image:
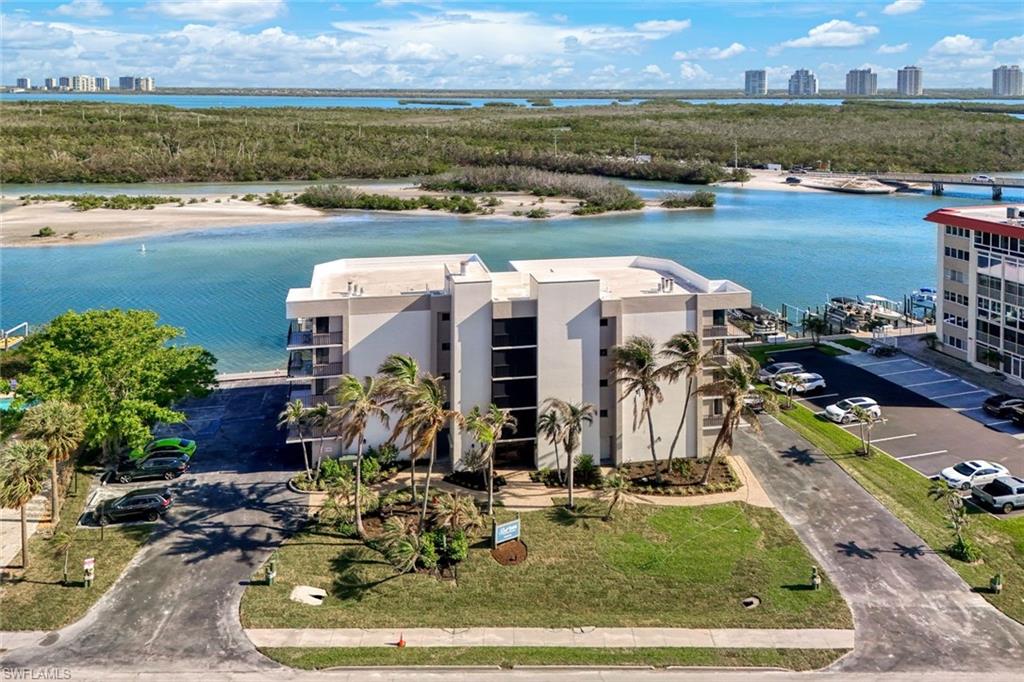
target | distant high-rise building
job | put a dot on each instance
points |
(102, 83)
(24, 83)
(1007, 81)
(861, 82)
(50, 83)
(908, 81)
(755, 82)
(64, 82)
(803, 82)
(126, 82)
(145, 84)
(83, 83)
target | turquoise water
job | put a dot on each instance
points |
(227, 286)
(212, 101)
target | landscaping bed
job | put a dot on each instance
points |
(905, 493)
(684, 478)
(509, 657)
(474, 480)
(36, 599)
(648, 566)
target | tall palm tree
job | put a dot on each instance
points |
(684, 359)
(23, 470)
(573, 417)
(399, 373)
(636, 368)
(426, 415)
(294, 415)
(866, 421)
(790, 383)
(320, 417)
(549, 425)
(487, 428)
(360, 401)
(737, 382)
(61, 427)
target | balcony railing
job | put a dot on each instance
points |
(720, 331)
(314, 399)
(303, 370)
(298, 337)
(714, 420)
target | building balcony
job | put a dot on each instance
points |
(298, 338)
(309, 433)
(724, 331)
(307, 370)
(713, 420)
(310, 399)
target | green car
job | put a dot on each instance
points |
(164, 447)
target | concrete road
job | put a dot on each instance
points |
(911, 611)
(916, 430)
(176, 606)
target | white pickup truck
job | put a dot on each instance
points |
(1005, 493)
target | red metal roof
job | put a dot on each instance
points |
(957, 218)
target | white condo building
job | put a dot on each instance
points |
(515, 338)
(1007, 81)
(24, 83)
(83, 83)
(755, 83)
(802, 83)
(909, 81)
(861, 82)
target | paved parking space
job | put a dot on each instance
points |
(925, 425)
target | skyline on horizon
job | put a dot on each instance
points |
(516, 45)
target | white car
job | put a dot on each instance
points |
(800, 382)
(976, 472)
(842, 412)
(982, 178)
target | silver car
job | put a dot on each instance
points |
(775, 369)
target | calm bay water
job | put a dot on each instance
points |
(227, 286)
(231, 101)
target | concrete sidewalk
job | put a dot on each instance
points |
(557, 637)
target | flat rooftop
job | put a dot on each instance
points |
(619, 277)
(980, 217)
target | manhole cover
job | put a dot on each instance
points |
(751, 602)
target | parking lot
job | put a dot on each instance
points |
(915, 428)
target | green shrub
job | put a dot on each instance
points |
(45, 232)
(386, 454)
(964, 550)
(458, 547)
(682, 467)
(429, 555)
(699, 199)
(538, 213)
(331, 470)
(275, 198)
(371, 470)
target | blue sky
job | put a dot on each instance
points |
(396, 43)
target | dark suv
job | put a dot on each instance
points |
(1002, 405)
(153, 467)
(145, 503)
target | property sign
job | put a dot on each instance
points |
(89, 564)
(503, 532)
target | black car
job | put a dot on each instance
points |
(153, 467)
(145, 503)
(1002, 405)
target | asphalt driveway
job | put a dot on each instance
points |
(176, 606)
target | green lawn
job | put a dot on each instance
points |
(36, 600)
(650, 566)
(762, 351)
(508, 657)
(905, 493)
(855, 344)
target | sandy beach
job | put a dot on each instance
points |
(776, 181)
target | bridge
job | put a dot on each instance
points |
(938, 181)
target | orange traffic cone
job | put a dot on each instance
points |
(401, 641)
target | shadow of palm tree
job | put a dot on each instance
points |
(910, 552)
(350, 567)
(852, 549)
(583, 513)
(797, 455)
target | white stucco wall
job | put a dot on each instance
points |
(470, 383)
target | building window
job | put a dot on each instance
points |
(959, 254)
(604, 352)
(604, 321)
(953, 341)
(445, 317)
(604, 413)
(953, 275)
(604, 383)
(445, 345)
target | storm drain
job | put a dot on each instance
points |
(751, 602)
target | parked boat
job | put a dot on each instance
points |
(924, 298)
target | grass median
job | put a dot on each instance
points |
(36, 598)
(904, 492)
(509, 657)
(648, 567)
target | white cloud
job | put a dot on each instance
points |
(220, 11)
(903, 7)
(664, 26)
(654, 71)
(711, 52)
(893, 49)
(958, 44)
(834, 33)
(690, 71)
(83, 9)
(1010, 46)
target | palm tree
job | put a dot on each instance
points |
(737, 382)
(791, 383)
(636, 368)
(487, 429)
(61, 427)
(619, 491)
(816, 326)
(457, 512)
(684, 359)
(573, 416)
(866, 420)
(23, 470)
(956, 515)
(399, 373)
(359, 401)
(549, 425)
(294, 415)
(426, 415)
(320, 417)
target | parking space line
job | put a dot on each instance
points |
(943, 373)
(883, 420)
(923, 454)
(823, 395)
(919, 363)
(881, 362)
(905, 371)
(888, 438)
(998, 423)
(929, 383)
(953, 395)
(967, 409)
(970, 384)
